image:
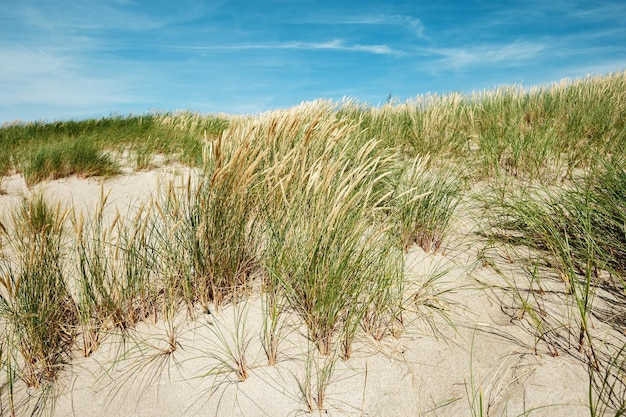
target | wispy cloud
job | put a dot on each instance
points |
(510, 54)
(48, 83)
(85, 56)
(413, 24)
(24, 63)
(92, 15)
(601, 12)
(332, 45)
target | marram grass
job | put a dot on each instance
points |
(62, 159)
(317, 204)
(42, 150)
(578, 232)
(37, 310)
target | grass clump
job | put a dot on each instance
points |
(52, 150)
(116, 285)
(426, 201)
(327, 253)
(578, 233)
(605, 194)
(36, 304)
(210, 250)
(581, 225)
(62, 159)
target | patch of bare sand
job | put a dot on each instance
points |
(461, 350)
(124, 191)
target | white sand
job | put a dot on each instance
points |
(437, 367)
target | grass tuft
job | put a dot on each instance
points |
(62, 159)
(426, 202)
(36, 304)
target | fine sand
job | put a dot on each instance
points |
(463, 345)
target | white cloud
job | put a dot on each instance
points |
(335, 44)
(477, 55)
(413, 24)
(601, 12)
(36, 79)
(340, 45)
(23, 63)
(93, 15)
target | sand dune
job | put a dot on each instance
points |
(461, 348)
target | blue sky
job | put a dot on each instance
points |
(73, 59)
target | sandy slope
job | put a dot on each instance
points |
(464, 346)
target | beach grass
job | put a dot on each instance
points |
(36, 304)
(66, 158)
(47, 150)
(315, 208)
(576, 235)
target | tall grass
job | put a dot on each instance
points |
(115, 268)
(431, 124)
(62, 159)
(326, 252)
(50, 150)
(426, 201)
(545, 133)
(585, 220)
(579, 232)
(211, 249)
(36, 304)
(317, 204)
(550, 132)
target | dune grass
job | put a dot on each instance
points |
(579, 233)
(210, 253)
(426, 202)
(36, 306)
(543, 133)
(328, 257)
(315, 207)
(62, 159)
(91, 147)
